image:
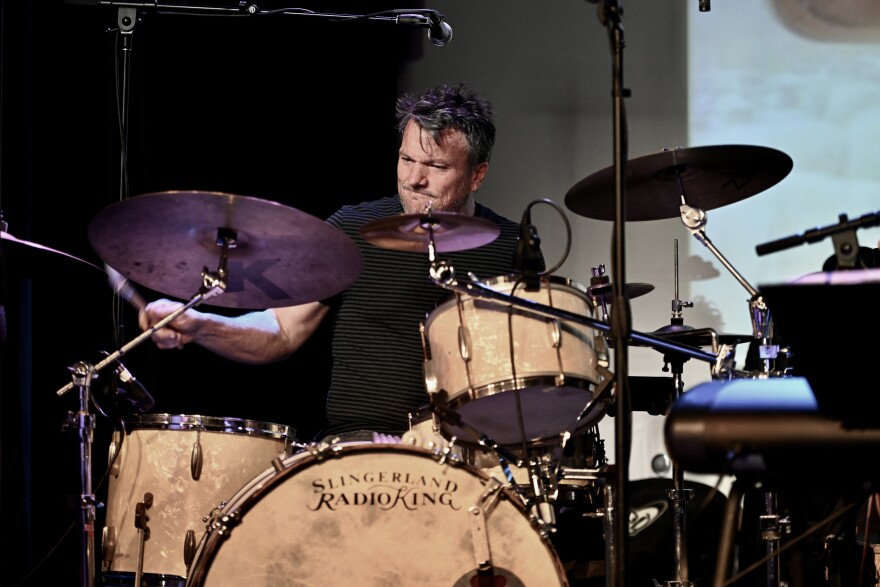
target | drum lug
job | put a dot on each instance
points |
(189, 549)
(556, 341)
(601, 347)
(108, 546)
(115, 447)
(464, 342)
(431, 383)
(195, 461)
(555, 333)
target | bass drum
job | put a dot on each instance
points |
(373, 515)
(188, 464)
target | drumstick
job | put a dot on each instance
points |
(125, 289)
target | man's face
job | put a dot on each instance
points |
(436, 175)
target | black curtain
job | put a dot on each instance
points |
(287, 108)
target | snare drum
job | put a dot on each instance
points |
(189, 464)
(493, 357)
(373, 515)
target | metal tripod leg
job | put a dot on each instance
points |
(728, 534)
(679, 498)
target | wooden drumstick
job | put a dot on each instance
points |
(125, 289)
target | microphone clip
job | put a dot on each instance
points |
(528, 259)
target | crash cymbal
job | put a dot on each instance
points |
(412, 232)
(707, 177)
(32, 250)
(633, 290)
(279, 256)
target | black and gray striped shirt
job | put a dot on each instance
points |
(377, 376)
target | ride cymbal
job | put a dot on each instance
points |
(707, 178)
(277, 256)
(413, 232)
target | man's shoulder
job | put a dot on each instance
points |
(484, 211)
(366, 211)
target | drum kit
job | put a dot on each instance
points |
(517, 375)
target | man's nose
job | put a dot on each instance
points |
(417, 176)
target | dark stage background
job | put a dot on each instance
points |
(294, 109)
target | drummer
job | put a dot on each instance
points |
(447, 136)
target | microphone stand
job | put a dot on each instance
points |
(214, 283)
(439, 32)
(85, 424)
(616, 549)
(846, 245)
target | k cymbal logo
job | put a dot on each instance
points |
(255, 273)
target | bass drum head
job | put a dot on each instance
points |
(652, 531)
(372, 515)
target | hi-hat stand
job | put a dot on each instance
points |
(678, 496)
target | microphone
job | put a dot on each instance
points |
(439, 32)
(133, 390)
(527, 258)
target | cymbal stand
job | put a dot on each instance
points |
(695, 220)
(85, 424)
(213, 283)
(678, 496)
(762, 328)
(599, 285)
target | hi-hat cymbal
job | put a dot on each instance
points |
(632, 290)
(279, 256)
(707, 177)
(683, 334)
(413, 232)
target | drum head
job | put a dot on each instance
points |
(373, 515)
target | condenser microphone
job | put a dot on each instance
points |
(439, 32)
(133, 390)
(527, 257)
